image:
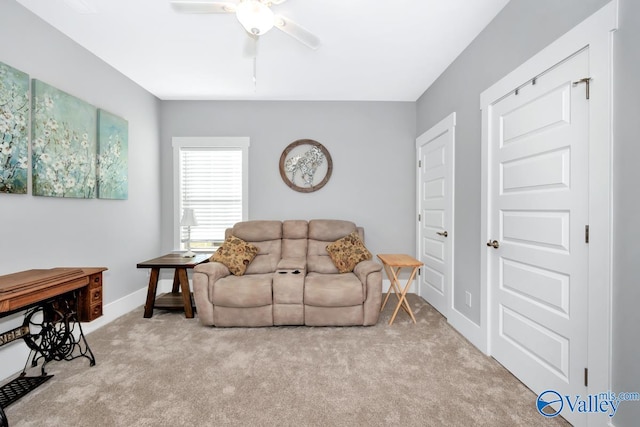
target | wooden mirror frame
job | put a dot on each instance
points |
(283, 159)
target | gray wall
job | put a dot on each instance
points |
(42, 232)
(371, 144)
(626, 226)
(519, 31)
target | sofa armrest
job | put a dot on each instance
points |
(215, 270)
(370, 274)
(364, 268)
(204, 278)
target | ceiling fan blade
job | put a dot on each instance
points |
(195, 6)
(299, 33)
(251, 46)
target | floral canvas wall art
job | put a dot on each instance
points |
(113, 142)
(63, 144)
(14, 136)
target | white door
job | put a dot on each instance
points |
(537, 253)
(435, 213)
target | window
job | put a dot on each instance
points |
(211, 177)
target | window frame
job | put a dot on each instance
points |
(180, 142)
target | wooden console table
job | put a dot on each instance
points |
(56, 300)
(175, 299)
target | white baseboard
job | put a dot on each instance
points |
(117, 308)
(14, 355)
(468, 329)
(165, 285)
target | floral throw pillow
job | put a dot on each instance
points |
(347, 252)
(236, 254)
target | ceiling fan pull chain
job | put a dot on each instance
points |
(255, 80)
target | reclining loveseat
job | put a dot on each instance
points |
(288, 276)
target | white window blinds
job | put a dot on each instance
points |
(212, 181)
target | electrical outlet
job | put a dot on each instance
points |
(467, 299)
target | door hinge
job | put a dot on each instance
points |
(585, 80)
(419, 272)
(419, 163)
(419, 217)
(586, 377)
(586, 234)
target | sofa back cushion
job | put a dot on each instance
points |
(322, 232)
(267, 237)
(294, 239)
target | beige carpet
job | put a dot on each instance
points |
(169, 371)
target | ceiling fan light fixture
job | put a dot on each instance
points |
(256, 17)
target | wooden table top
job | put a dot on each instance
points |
(399, 260)
(174, 260)
(25, 288)
(39, 278)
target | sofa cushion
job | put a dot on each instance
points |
(258, 231)
(329, 230)
(347, 252)
(295, 229)
(269, 254)
(318, 259)
(236, 254)
(267, 237)
(323, 232)
(333, 290)
(294, 238)
(248, 291)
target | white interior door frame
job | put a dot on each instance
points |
(596, 33)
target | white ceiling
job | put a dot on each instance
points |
(371, 50)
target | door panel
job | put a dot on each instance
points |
(550, 289)
(535, 341)
(542, 171)
(434, 189)
(537, 115)
(435, 279)
(537, 228)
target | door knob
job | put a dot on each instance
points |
(442, 233)
(493, 243)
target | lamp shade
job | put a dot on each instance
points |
(188, 218)
(256, 17)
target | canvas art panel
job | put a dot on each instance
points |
(14, 136)
(63, 144)
(113, 145)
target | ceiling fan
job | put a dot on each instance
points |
(255, 16)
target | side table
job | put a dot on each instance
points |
(393, 263)
(175, 299)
